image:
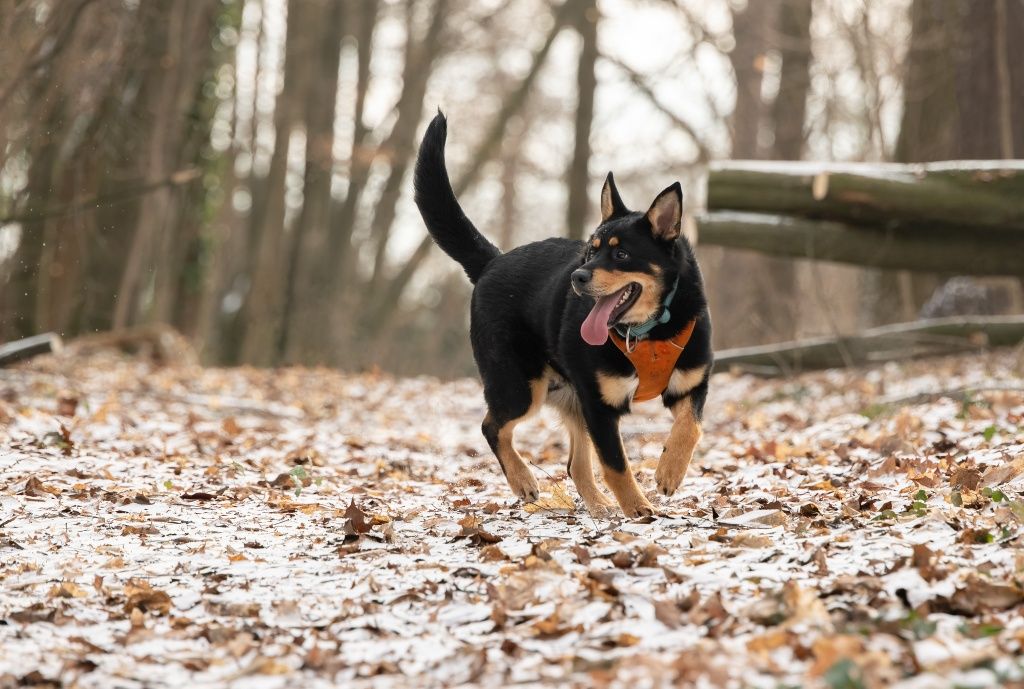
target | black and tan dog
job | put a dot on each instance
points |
(588, 327)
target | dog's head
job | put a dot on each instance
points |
(631, 262)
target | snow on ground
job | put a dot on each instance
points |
(176, 526)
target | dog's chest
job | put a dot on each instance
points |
(617, 390)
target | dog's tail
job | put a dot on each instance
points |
(447, 224)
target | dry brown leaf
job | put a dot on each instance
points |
(68, 589)
(748, 539)
(357, 519)
(559, 500)
(36, 488)
(830, 650)
(140, 595)
(979, 595)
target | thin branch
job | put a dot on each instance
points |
(640, 82)
(177, 179)
(389, 302)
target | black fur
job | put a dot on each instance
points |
(526, 317)
(448, 225)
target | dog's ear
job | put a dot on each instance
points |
(611, 203)
(666, 214)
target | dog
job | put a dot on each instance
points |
(586, 326)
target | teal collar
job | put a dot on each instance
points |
(641, 331)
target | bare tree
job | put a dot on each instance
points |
(304, 303)
(578, 174)
(266, 299)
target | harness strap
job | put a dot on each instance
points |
(654, 360)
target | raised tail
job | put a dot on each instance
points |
(447, 224)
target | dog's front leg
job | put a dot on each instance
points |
(682, 439)
(603, 425)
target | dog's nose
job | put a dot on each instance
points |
(580, 278)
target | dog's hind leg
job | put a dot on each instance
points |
(581, 466)
(510, 399)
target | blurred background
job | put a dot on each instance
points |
(241, 169)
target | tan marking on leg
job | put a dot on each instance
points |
(682, 440)
(616, 391)
(683, 381)
(581, 468)
(517, 472)
(627, 492)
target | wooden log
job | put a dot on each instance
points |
(931, 337)
(19, 350)
(974, 194)
(958, 250)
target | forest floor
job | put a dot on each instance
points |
(180, 526)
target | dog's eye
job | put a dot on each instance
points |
(621, 254)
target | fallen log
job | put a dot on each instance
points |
(932, 337)
(19, 350)
(971, 194)
(958, 250)
(158, 342)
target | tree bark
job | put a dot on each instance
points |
(981, 195)
(390, 300)
(265, 303)
(339, 264)
(578, 174)
(956, 250)
(747, 58)
(177, 49)
(790, 106)
(900, 341)
(302, 336)
(401, 142)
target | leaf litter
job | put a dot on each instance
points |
(177, 526)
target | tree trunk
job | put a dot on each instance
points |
(931, 337)
(578, 175)
(769, 290)
(963, 93)
(794, 39)
(985, 196)
(339, 264)
(305, 303)
(265, 303)
(390, 301)
(962, 250)
(178, 46)
(747, 58)
(401, 142)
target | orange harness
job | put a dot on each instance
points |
(654, 360)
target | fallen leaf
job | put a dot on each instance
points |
(559, 500)
(140, 595)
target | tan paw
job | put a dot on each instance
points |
(524, 484)
(669, 475)
(637, 508)
(599, 506)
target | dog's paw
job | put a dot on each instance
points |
(640, 509)
(670, 474)
(601, 508)
(524, 485)
(668, 479)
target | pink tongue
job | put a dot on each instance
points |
(595, 329)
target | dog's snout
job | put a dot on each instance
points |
(580, 278)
